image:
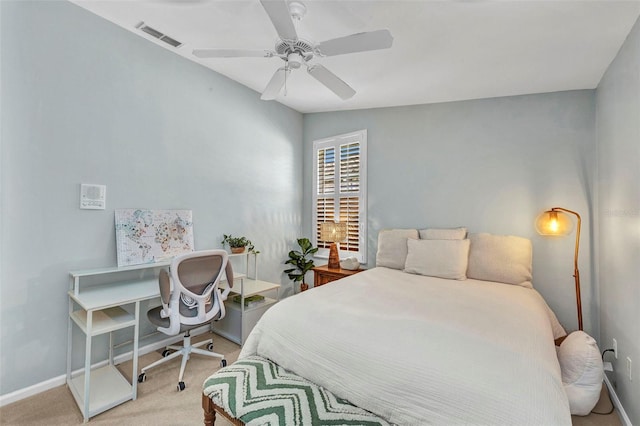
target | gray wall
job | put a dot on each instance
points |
(491, 165)
(84, 101)
(618, 210)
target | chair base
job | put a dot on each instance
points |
(185, 351)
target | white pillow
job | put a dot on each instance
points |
(443, 233)
(392, 247)
(582, 372)
(500, 258)
(438, 258)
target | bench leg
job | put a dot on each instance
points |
(209, 412)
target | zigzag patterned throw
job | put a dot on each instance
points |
(259, 392)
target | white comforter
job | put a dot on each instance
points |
(418, 350)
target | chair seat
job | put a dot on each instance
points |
(256, 391)
(156, 319)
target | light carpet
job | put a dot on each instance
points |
(159, 403)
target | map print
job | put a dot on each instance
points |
(148, 236)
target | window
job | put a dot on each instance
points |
(340, 191)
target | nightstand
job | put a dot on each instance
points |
(324, 274)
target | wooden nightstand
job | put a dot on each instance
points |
(322, 274)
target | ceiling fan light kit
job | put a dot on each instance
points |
(296, 52)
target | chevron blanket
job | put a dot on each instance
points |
(260, 392)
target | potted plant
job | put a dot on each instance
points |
(237, 244)
(301, 264)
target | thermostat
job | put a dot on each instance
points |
(93, 197)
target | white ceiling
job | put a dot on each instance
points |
(442, 51)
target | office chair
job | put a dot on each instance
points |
(190, 298)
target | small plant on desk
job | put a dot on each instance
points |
(301, 264)
(237, 244)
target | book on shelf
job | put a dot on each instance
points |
(249, 301)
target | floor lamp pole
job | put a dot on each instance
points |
(576, 272)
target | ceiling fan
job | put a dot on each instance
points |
(296, 52)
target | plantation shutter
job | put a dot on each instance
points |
(339, 191)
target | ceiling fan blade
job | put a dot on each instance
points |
(361, 42)
(275, 84)
(278, 11)
(332, 81)
(232, 53)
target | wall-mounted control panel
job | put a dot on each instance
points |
(93, 197)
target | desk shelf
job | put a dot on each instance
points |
(265, 303)
(249, 287)
(240, 320)
(108, 389)
(104, 321)
(115, 294)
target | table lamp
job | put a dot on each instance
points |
(333, 233)
(556, 223)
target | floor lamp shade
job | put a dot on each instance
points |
(556, 222)
(333, 233)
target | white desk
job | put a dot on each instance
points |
(96, 301)
(97, 310)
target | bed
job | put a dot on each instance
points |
(418, 349)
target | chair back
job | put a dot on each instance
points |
(190, 291)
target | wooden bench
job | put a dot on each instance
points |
(255, 390)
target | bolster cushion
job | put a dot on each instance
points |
(582, 371)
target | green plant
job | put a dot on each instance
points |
(299, 260)
(232, 242)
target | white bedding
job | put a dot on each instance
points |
(418, 350)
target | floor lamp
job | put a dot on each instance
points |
(333, 233)
(555, 222)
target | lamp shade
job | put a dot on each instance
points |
(554, 222)
(333, 232)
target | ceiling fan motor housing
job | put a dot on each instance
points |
(296, 52)
(284, 47)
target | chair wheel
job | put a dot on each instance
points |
(223, 363)
(142, 377)
(210, 346)
(166, 353)
(181, 386)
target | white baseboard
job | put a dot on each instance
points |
(32, 390)
(626, 421)
(62, 379)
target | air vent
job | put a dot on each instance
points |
(159, 35)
